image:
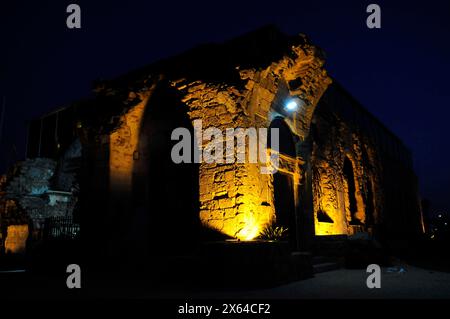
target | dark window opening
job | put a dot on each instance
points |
(350, 178)
(323, 217)
(370, 205)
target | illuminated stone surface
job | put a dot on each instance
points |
(342, 171)
(15, 242)
(331, 189)
(123, 145)
(235, 199)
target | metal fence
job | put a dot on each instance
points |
(61, 228)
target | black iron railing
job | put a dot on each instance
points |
(61, 228)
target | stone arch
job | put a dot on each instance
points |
(243, 207)
(298, 120)
(165, 195)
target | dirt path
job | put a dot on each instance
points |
(415, 283)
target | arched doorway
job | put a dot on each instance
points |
(166, 194)
(283, 183)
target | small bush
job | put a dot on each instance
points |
(274, 233)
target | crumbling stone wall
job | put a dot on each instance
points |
(123, 145)
(244, 83)
(27, 199)
(235, 198)
(334, 142)
(16, 240)
(30, 188)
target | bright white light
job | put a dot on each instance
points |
(291, 106)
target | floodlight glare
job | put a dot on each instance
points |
(291, 106)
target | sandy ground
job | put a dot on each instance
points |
(415, 283)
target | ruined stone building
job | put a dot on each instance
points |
(341, 171)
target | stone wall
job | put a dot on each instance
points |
(385, 187)
(15, 242)
(235, 198)
(336, 142)
(26, 199)
(241, 84)
(30, 187)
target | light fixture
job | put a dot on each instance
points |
(291, 106)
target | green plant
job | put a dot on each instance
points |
(272, 232)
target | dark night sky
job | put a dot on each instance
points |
(400, 72)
